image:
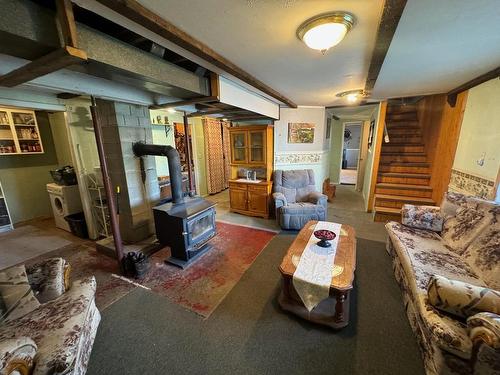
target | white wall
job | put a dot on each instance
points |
(480, 132)
(369, 157)
(477, 159)
(160, 137)
(289, 156)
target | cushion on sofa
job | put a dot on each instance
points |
(58, 327)
(17, 296)
(451, 203)
(422, 217)
(483, 254)
(468, 223)
(462, 299)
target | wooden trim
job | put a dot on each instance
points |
(181, 103)
(56, 60)
(66, 20)
(361, 104)
(452, 95)
(393, 9)
(134, 11)
(376, 154)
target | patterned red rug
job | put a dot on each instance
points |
(200, 288)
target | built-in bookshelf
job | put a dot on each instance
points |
(5, 221)
(19, 133)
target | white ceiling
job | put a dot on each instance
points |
(353, 113)
(438, 45)
(259, 37)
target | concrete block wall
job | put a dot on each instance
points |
(124, 124)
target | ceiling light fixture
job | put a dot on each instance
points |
(171, 110)
(352, 96)
(326, 30)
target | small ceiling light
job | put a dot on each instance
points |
(224, 119)
(171, 110)
(352, 96)
(326, 30)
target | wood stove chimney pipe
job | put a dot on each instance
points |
(174, 165)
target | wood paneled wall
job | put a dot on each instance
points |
(440, 125)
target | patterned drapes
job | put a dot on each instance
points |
(216, 150)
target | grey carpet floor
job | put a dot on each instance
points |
(144, 333)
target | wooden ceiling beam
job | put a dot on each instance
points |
(180, 103)
(452, 95)
(61, 58)
(393, 9)
(217, 112)
(66, 20)
(56, 60)
(134, 11)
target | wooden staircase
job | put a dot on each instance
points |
(404, 171)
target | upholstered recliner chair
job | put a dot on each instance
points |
(296, 200)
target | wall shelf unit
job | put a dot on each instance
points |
(19, 133)
(5, 221)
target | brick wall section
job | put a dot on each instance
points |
(124, 124)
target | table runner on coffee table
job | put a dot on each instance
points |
(313, 275)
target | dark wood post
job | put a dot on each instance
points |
(188, 155)
(115, 227)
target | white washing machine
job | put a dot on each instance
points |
(65, 200)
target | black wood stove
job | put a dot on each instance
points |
(186, 224)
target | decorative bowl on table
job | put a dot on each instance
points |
(324, 235)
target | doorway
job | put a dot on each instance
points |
(350, 153)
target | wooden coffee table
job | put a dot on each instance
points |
(333, 311)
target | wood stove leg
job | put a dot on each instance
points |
(339, 306)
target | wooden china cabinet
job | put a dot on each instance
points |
(251, 154)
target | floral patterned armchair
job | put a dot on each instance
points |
(458, 241)
(56, 337)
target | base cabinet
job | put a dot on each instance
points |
(250, 199)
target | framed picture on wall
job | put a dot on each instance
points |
(301, 132)
(370, 133)
(328, 127)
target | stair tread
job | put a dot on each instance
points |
(404, 198)
(404, 153)
(404, 174)
(401, 144)
(402, 186)
(390, 210)
(407, 164)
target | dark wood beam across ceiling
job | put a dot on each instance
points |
(452, 95)
(134, 11)
(393, 9)
(56, 60)
(181, 103)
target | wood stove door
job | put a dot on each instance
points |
(201, 228)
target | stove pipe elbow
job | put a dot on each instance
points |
(174, 165)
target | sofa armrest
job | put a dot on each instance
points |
(317, 198)
(279, 200)
(422, 217)
(49, 279)
(16, 356)
(485, 328)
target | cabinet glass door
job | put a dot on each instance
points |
(239, 147)
(7, 142)
(257, 146)
(27, 132)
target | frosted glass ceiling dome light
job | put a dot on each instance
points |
(352, 96)
(325, 31)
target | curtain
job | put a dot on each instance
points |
(216, 149)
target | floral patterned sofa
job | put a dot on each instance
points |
(57, 336)
(461, 241)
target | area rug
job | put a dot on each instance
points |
(199, 288)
